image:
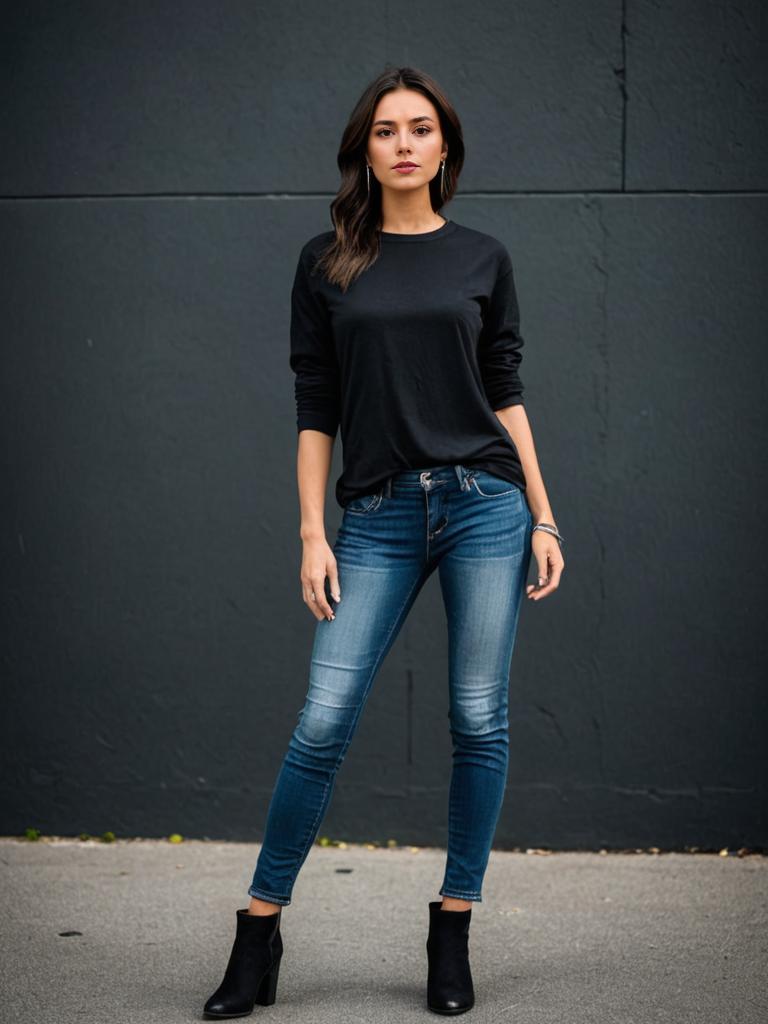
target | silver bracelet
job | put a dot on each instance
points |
(548, 528)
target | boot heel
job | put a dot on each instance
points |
(267, 992)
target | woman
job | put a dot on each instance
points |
(405, 333)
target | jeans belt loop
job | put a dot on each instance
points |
(464, 475)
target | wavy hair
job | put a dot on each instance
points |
(356, 212)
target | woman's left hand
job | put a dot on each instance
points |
(546, 550)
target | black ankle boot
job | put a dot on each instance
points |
(251, 974)
(449, 979)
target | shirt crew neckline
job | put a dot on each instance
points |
(421, 236)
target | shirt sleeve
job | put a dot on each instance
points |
(500, 344)
(313, 355)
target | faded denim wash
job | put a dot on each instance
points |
(475, 528)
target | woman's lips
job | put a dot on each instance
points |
(407, 169)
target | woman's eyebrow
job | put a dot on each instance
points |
(422, 117)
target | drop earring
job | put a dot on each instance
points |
(442, 181)
(368, 177)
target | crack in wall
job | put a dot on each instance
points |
(621, 76)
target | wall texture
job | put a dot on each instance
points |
(162, 165)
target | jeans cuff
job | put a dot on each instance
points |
(262, 894)
(455, 894)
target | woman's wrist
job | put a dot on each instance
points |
(312, 532)
(544, 516)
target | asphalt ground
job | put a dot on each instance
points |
(140, 931)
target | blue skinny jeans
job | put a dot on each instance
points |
(475, 528)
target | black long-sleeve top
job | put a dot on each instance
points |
(413, 359)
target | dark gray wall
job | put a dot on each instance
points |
(162, 165)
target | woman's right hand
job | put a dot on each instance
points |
(319, 561)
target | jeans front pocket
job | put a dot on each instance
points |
(365, 504)
(488, 485)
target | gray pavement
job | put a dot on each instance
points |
(565, 937)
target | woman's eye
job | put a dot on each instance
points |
(421, 128)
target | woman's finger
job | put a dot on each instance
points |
(307, 593)
(333, 579)
(318, 588)
(542, 561)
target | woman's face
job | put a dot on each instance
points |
(405, 128)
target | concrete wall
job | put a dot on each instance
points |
(162, 165)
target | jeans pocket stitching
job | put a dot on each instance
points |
(498, 494)
(370, 507)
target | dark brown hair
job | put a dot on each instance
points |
(356, 214)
